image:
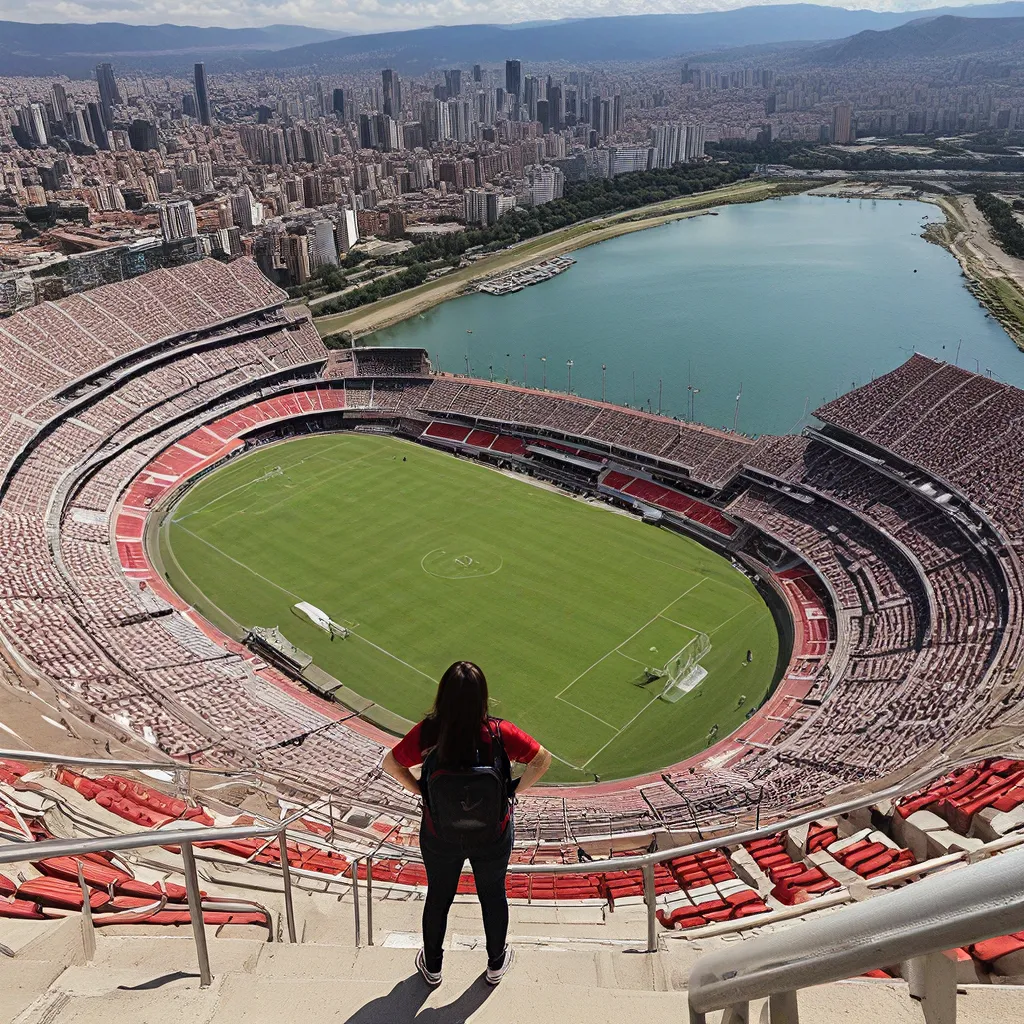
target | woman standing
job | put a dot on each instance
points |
(468, 791)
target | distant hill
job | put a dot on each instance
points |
(944, 36)
(637, 37)
(49, 49)
(74, 49)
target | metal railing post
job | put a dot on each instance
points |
(651, 901)
(369, 901)
(783, 1009)
(932, 980)
(355, 899)
(286, 879)
(195, 912)
(738, 1013)
(88, 928)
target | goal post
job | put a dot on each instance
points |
(683, 671)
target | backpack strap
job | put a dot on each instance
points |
(494, 730)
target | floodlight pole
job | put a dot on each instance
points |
(659, 396)
(544, 369)
(604, 370)
(524, 370)
(568, 368)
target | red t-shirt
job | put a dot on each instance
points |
(519, 746)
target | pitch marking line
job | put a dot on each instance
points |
(630, 637)
(682, 625)
(284, 590)
(636, 661)
(621, 731)
(585, 711)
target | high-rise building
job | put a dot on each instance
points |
(59, 97)
(339, 103)
(392, 87)
(108, 93)
(348, 229)
(245, 211)
(669, 144)
(544, 184)
(295, 256)
(453, 82)
(322, 249)
(514, 78)
(143, 135)
(842, 124)
(202, 95)
(178, 220)
(95, 127)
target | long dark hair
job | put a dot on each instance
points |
(460, 709)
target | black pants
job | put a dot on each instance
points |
(443, 862)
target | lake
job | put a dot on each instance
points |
(786, 302)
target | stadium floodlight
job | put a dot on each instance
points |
(321, 618)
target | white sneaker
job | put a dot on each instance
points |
(495, 974)
(432, 978)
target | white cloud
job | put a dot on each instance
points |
(374, 15)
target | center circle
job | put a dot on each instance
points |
(457, 563)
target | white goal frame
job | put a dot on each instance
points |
(683, 671)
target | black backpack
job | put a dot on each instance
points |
(470, 803)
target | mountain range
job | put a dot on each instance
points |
(944, 36)
(826, 34)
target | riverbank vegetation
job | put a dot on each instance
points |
(582, 201)
(942, 155)
(1005, 226)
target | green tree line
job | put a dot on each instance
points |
(1005, 226)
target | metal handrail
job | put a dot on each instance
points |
(642, 862)
(914, 925)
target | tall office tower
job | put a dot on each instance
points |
(616, 113)
(348, 228)
(321, 104)
(60, 101)
(514, 78)
(178, 220)
(595, 114)
(453, 82)
(478, 73)
(842, 124)
(556, 107)
(392, 92)
(339, 103)
(607, 120)
(96, 128)
(543, 116)
(108, 92)
(530, 98)
(202, 96)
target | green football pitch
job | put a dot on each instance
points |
(429, 559)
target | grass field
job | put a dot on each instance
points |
(429, 559)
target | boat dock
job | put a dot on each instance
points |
(516, 280)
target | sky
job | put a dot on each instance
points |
(377, 15)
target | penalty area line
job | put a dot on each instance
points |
(585, 711)
(290, 593)
(637, 632)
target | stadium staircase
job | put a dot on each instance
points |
(332, 953)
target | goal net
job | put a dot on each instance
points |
(321, 619)
(683, 671)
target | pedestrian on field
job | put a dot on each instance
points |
(468, 793)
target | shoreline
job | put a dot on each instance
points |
(387, 312)
(993, 277)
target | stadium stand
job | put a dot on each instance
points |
(887, 535)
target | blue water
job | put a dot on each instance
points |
(794, 300)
